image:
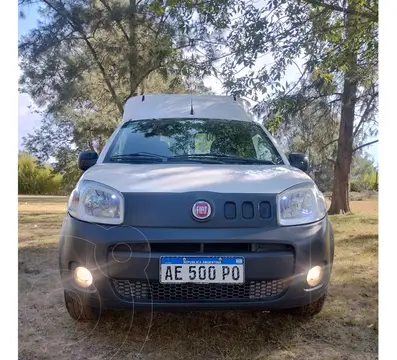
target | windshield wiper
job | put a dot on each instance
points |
(225, 158)
(139, 156)
(195, 158)
(208, 158)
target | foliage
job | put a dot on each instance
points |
(92, 55)
(368, 182)
(36, 179)
(311, 130)
(309, 32)
(66, 165)
(62, 136)
(363, 174)
(337, 43)
(85, 58)
(362, 164)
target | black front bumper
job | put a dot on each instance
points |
(126, 275)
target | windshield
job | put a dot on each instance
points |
(206, 141)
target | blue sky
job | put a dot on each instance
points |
(27, 120)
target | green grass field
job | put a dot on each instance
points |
(346, 329)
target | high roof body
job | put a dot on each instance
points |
(179, 106)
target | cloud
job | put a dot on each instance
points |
(27, 120)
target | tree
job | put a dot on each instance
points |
(111, 47)
(36, 179)
(363, 173)
(310, 129)
(337, 42)
(85, 58)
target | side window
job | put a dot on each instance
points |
(121, 143)
(262, 150)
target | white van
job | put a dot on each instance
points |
(191, 204)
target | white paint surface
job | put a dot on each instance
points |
(179, 106)
(177, 178)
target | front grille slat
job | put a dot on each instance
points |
(252, 290)
(249, 210)
(175, 247)
(188, 247)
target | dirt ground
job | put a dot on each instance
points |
(346, 329)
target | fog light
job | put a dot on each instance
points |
(82, 276)
(314, 276)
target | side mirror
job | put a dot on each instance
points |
(87, 159)
(300, 161)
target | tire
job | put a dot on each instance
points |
(77, 308)
(308, 310)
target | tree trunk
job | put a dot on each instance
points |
(133, 51)
(340, 192)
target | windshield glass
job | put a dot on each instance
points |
(209, 140)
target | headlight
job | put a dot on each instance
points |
(301, 204)
(95, 202)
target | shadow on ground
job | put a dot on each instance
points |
(47, 332)
(346, 329)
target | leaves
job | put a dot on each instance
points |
(312, 31)
(36, 179)
(85, 58)
(78, 40)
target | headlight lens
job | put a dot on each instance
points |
(95, 202)
(301, 204)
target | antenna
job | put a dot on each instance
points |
(191, 103)
(189, 80)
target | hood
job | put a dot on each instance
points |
(177, 178)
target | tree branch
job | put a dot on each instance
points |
(143, 76)
(330, 143)
(50, 44)
(162, 21)
(63, 12)
(366, 113)
(364, 145)
(108, 8)
(341, 9)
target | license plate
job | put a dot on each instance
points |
(202, 270)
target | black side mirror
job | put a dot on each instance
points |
(87, 159)
(300, 161)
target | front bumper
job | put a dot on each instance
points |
(126, 275)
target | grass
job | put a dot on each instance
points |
(346, 329)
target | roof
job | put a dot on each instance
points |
(179, 106)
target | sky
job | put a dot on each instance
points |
(28, 121)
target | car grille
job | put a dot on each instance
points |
(189, 247)
(253, 290)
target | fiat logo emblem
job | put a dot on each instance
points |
(201, 210)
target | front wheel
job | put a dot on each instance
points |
(78, 309)
(308, 310)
